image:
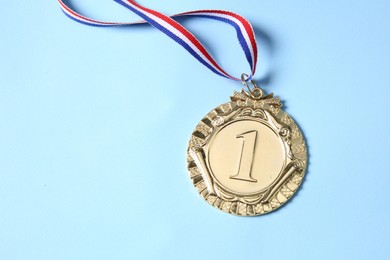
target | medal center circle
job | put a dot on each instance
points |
(246, 156)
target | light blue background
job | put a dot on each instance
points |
(94, 125)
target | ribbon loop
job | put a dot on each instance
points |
(181, 35)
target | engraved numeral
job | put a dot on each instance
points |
(246, 157)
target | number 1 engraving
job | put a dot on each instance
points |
(246, 157)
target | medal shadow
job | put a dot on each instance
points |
(266, 47)
(265, 42)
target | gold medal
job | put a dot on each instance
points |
(247, 157)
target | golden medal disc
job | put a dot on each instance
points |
(247, 157)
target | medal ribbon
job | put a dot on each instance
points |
(167, 25)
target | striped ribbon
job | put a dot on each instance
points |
(181, 35)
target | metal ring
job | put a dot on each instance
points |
(244, 81)
(255, 92)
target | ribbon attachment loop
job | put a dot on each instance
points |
(255, 92)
